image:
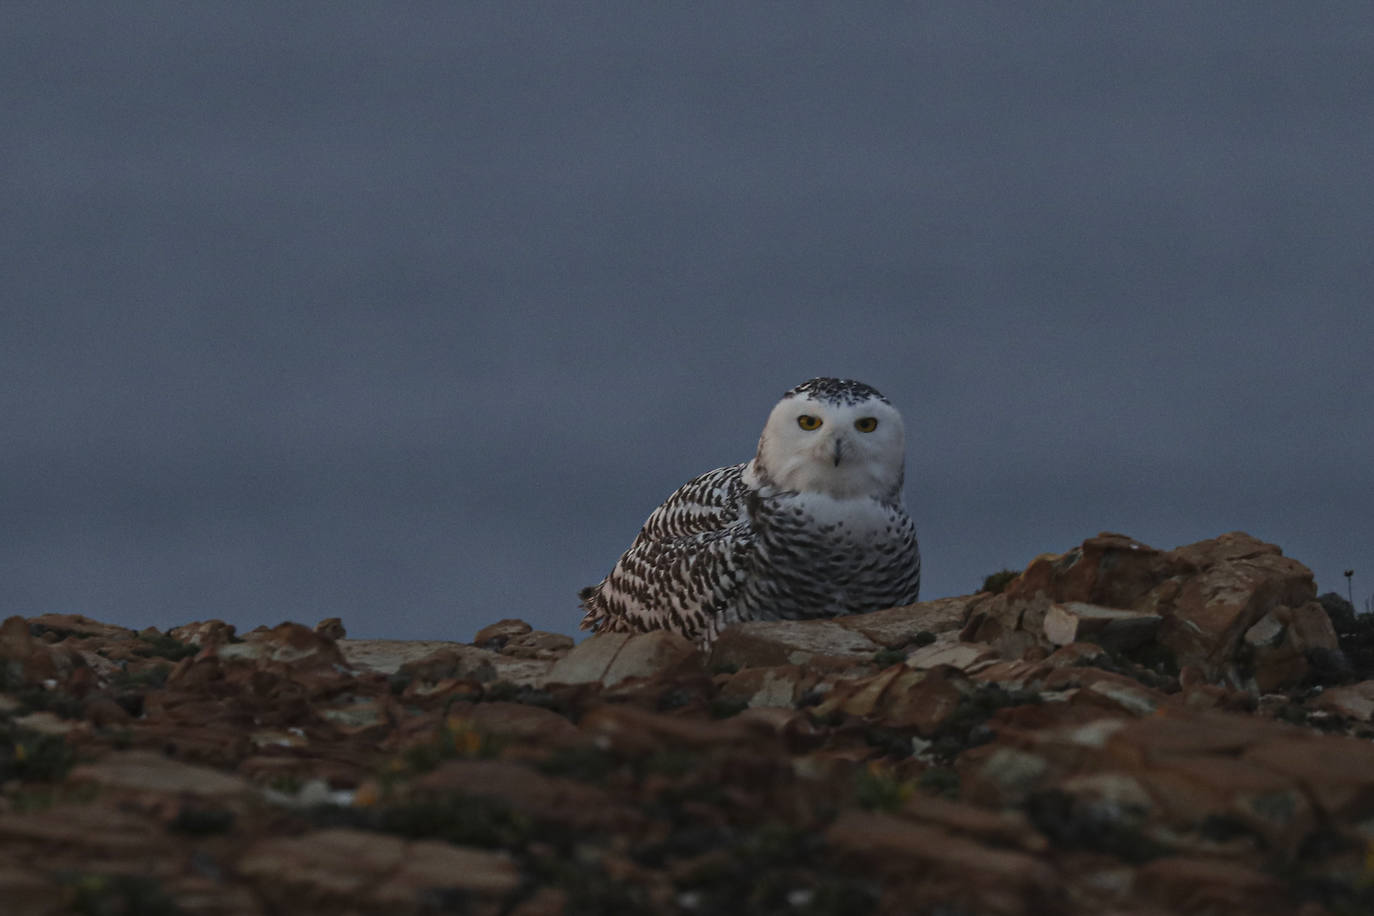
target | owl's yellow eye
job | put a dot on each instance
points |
(806, 421)
(866, 424)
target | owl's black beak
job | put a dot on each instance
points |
(839, 451)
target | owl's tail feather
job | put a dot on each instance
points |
(597, 614)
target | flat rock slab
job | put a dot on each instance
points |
(388, 656)
(609, 658)
(789, 642)
(1110, 628)
(148, 771)
(898, 626)
(589, 660)
(370, 870)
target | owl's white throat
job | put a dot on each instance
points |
(822, 473)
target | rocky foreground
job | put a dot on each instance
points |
(1121, 730)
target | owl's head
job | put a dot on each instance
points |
(833, 436)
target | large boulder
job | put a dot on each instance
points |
(1233, 607)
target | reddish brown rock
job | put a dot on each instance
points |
(779, 685)
(33, 662)
(1336, 772)
(1004, 828)
(288, 643)
(549, 798)
(1186, 885)
(204, 633)
(1111, 570)
(331, 627)
(538, 644)
(1355, 701)
(1238, 580)
(370, 872)
(901, 697)
(945, 866)
(1190, 790)
(78, 625)
(150, 772)
(496, 635)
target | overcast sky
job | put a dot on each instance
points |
(410, 314)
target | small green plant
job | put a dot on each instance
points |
(886, 658)
(286, 784)
(725, 707)
(117, 895)
(942, 781)
(878, 789)
(202, 821)
(148, 678)
(455, 739)
(584, 763)
(998, 581)
(26, 754)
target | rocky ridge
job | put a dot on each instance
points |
(1121, 730)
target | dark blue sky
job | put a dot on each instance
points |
(410, 314)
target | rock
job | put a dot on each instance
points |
(1194, 789)
(589, 661)
(1111, 628)
(1111, 570)
(965, 872)
(288, 643)
(1004, 828)
(431, 663)
(150, 772)
(789, 642)
(899, 626)
(1336, 772)
(1355, 701)
(79, 626)
(1239, 580)
(204, 633)
(29, 894)
(21, 657)
(1002, 776)
(332, 627)
(776, 686)
(538, 644)
(1185, 885)
(547, 798)
(1233, 606)
(658, 652)
(521, 721)
(949, 650)
(371, 872)
(901, 697)
(45, 723)
(1009, 624)
(609, 658)
(496, 635)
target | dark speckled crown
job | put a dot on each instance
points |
(842, 391)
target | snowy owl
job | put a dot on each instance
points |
(813, 526)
